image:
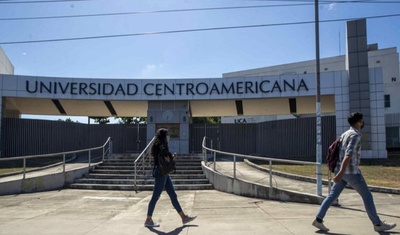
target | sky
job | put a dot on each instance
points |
(147, 54)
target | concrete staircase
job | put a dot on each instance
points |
(119, 174)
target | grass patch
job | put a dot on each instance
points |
(13, 166)
(12, 170)
(9, 170)
(385, 176)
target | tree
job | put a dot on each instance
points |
(124, 120)
(131, 120)
(101, 120)
(66, 120)
(207, 120)
(69, 120)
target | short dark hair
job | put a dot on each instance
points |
(353, 118)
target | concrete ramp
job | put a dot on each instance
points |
(251, 182)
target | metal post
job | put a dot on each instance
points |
(144, 161)
(204, 156)
(24, 163)
(111, 147)
(138, 138)
(64, 163)
(270, 173)
(318, 104)
(215, 160)
(329, 181)
(103, 154)
(135, 175)
(234, 167)
(214, 167)
(90, 159)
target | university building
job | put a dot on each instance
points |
(387, 59)
(366, 79)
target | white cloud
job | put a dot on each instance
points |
(331, 6)
(152, 70)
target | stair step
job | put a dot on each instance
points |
(119, 174)
(180, 171)
(184, 158)
(181, 163)
(132, 176)
(139, 181)
(178, 167)
(139, 187)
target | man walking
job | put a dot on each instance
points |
(347, 172)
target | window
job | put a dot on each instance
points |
(387, 101)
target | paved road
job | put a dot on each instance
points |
(87, 212)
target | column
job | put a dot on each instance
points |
(173, 115)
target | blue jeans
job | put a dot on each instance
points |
(357, 181)
(161, 182)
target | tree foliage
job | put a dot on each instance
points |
(131, 120)
(207, 120)
(101, 120)
(66, 120)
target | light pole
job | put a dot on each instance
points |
(318, 104)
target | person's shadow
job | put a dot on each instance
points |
(380, 233)
(173, 232)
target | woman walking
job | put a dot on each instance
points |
(160, 148)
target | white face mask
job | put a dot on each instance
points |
(168, 138)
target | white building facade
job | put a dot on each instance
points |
(383, 98)
(348, 84)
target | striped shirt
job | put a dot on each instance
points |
(351, 145)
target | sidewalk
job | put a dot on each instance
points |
(86, 212)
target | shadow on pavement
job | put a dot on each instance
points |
(174, 232)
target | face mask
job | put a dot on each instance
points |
(362, 126)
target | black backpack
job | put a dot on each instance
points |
(165, 166)
(333, 154)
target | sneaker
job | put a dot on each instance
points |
(151, 224)
(320, 226)
(384, 226)
(188, 219)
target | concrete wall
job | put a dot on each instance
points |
(42, 183)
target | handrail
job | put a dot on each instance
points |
(234, 155)
(257, 158)
(144, 151)
(142, 156)
(24, 158)
(56, 154)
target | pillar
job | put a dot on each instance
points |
(362, 94)
(173, 115)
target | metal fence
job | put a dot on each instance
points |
(294, 138)
(106, 150)
(21, 137)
